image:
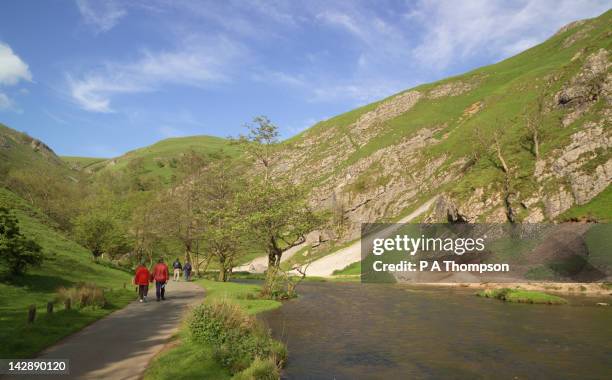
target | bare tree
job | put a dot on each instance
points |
(260, 141)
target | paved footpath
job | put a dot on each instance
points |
(120, 346)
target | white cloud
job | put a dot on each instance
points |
(342, 20)
(12, 68)
(198, 63)
(5, 102)
(101, 15)
(456, 31)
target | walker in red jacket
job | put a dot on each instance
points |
(160, 275)
(141, 278)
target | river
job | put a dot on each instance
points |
(370, 331)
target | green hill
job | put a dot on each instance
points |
(65, 264)
(160, 159)
(469, 139)
(19, 151)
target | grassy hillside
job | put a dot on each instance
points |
(19, 151)
(161, 159)
(380, 160)
(81, 163)
(65, 264)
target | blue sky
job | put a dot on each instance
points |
(99, 78)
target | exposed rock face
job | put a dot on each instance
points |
(450, 89)
(372, 169)
(571, 164)
(571, 25)
(591, 82)
(367, 123)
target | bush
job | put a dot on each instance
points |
(238, 339)
(83, 295)
(17, 252)
(259, 370)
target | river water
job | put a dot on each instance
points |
(371, 331)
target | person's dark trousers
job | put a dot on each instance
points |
(142, 291)
(160, 290)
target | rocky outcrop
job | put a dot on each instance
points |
(370, 122)
(450, 89)
(587, 86)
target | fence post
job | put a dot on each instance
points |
(124, 285)
(50, 307)
(31, 313)
(67, 304)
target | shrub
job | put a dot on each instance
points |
(260, 369)
(238, 339)
(83, 295)
(17, 252)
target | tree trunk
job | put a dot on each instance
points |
(222, 274)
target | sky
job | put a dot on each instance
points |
(99, 78)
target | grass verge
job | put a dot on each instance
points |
(188, 359)
(65, 264)
(522, 296)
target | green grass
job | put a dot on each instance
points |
(599, 208)
(186, 360)
(522, 296)
(161, 159)
(189, 360)
(349, 270)
(243, 294)
(65, 264)
(81, 163)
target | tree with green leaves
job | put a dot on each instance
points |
(260, 142)
(276, 210)
(17, 252)
(223, 226)
(99, 232)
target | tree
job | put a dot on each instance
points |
(181, 203)
(145, 232)
(533, 123)
(278, 218)
(17, 252)
(276, 210)
(260, 141)
(493, 149)
(100, 233)
(223, 227)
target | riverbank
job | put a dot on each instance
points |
(185, 359)
(562, 288)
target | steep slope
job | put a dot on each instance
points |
(32, 170)
(470, 140)
(19, 151)
(65, 264)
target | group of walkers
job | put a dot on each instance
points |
(177, 270)
(159, 275)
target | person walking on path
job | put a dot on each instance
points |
(141, 278)
(160, 276)
(187, 270)
(177, 269)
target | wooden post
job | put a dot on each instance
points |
(67, 304)
(31, 313)
(124, 285)
(50, 307)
